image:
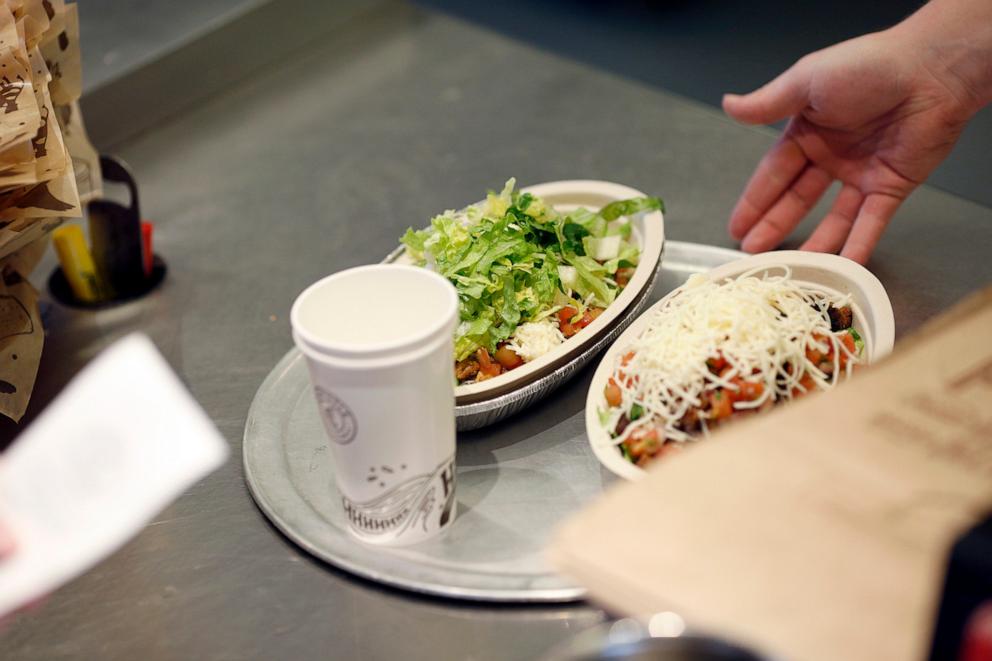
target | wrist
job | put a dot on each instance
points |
(952, 40)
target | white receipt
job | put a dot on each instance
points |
(121, 441)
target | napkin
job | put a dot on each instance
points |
(113, 449)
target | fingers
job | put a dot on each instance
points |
(788, 211)
(876, 212)
(783, 97)
(830, 234)
(856, 223)
(773, 176)
(6, 541)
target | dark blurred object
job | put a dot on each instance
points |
(661, 637)
(966, 605)
(120, 243)
(115, 232)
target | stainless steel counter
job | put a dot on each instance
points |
(318, 165)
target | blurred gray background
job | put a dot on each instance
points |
(120, 36)
(696, 48)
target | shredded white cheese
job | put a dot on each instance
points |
(758, 324)
(535, 338)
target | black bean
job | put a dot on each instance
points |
(621, 424)
(840, 318)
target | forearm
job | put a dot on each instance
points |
(953, 39)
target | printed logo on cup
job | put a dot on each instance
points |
(338, 418)
(424, 501)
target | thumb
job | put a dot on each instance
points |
(783, 97)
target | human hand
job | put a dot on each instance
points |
(6, 542)
(877, 113)
(6, 548)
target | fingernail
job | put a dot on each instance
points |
(750, 244)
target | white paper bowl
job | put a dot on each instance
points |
(872, 318)
(648, 233)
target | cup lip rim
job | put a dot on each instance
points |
(443, 324)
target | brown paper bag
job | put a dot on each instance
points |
(21, 342)
(42, 143)
(20, 233)
(85, 159)
(35, 17)
(61, 50)
(19, 110)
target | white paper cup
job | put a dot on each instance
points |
(378, 343)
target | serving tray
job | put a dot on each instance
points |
(511, 490)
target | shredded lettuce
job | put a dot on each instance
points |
(503, 255)
(614, 210)
(859, 344)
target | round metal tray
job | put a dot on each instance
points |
(514, 484)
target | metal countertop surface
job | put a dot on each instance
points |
(318, 165)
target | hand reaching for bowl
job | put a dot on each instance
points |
(877, 113)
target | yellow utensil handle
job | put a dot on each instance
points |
(77, 263)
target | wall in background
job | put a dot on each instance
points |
(703, 48)
(696, 48)
(119, 36)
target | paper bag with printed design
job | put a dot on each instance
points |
(44, 150)
(85, 159)
(61, 50)
(42, 139)
(21, 342)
